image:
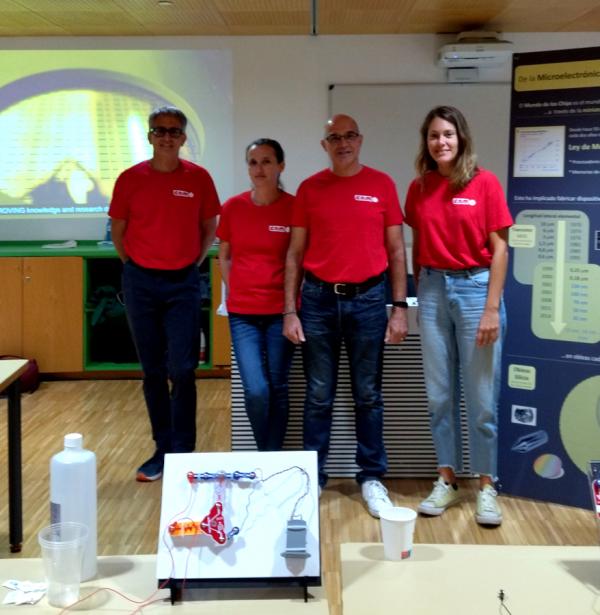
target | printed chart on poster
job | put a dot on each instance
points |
(539, 151)
(240, 517)
(550, 404)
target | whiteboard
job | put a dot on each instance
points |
(390, 116)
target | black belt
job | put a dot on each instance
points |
(458, 272)
(346, 289)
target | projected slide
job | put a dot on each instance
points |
(73, 120)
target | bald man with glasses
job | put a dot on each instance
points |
(346, 238)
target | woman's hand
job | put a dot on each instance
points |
(489, 327)
(292, 328)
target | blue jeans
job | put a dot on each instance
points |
(264, 358)
(450, 308)
(164, 310)
(327, 319)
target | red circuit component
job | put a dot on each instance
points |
(214, 524)
(185, 528)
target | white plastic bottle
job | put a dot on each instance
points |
(73, 494)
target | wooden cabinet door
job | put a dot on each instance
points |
(221, 339)
(11, 306)
(53, 312)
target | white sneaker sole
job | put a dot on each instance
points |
(435, 512)
(482, 520)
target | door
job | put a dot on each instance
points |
(11, 306)
(53, 312)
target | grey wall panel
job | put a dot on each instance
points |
(406, 430)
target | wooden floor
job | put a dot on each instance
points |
(112, 417)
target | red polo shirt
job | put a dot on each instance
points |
(346, 218)
(259, 236)
(164, 212)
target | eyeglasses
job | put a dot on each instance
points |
(161, 131)
(335, 139)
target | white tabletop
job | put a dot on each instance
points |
(135, 577)
(10, 370)
(466, 580)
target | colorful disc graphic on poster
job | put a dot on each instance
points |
(580, 422)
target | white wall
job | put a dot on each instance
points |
(280, 82)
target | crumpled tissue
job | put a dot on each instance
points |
(23, 592)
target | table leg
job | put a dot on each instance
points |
(15, 487)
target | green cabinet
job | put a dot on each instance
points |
(108, 344)
(100, 320)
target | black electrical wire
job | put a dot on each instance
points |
(503, 607)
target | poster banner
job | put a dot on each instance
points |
(550, 402)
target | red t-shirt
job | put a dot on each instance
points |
(454, 227)
(259, 236)
(163, 213)
(346, 218)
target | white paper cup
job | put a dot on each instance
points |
(62, 553)
(397, 529)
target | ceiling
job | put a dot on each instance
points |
(274, 17)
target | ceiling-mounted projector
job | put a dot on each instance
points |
(475, 49)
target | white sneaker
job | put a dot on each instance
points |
(375, 496)
(488, 511)
(439, 499)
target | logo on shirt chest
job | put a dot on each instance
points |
(274, 228)
(366, 198)
(462, 201)
(183, 194)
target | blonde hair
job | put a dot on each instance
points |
(465, 164)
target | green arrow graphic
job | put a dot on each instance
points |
(558, 323)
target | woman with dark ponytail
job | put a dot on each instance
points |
(254, 233)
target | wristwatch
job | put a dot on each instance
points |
(400, 304)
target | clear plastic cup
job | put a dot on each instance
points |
(397, 529)
(62, 553)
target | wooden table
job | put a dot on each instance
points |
(134, 576)
(10, 370)
(467, 579)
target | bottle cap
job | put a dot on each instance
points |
(73, 440)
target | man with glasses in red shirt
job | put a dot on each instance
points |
(346, 236)
(164, 216)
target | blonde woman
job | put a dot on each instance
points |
(460, 222)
